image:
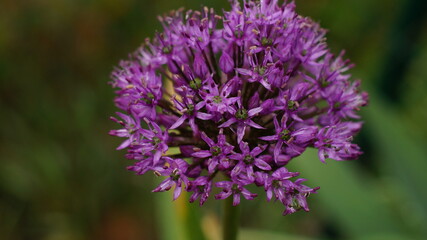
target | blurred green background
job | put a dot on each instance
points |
(61, 179)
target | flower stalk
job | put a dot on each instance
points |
(230, 224)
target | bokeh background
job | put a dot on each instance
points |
(62, 179)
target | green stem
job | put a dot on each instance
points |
(230, 220)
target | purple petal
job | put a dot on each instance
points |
(226, 63)
(254, 101)
(203, 116)
(200, 105)
(236, 170)
(177, 192)
(224, 184)
(244, 71)
(199, 66)
(262, 165)
(244, 147)
(194, 127)
(202, 154)
(254, 125)
(254, 111)
(207, 139)
(236, 199)
(212, 164)
(124, 144)
(228, 123)
(179, 122)
(321, 155)
(240, 132)
(248, 195)
(164, 186)
(276, 123)
(257, 150)
(269, 194)
(269, 138)
(265, 84)
(223, 195)
(156, 157)
(236, 156)
(277, 150)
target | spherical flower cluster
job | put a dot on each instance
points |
(240, 95)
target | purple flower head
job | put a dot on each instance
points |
(238, 95)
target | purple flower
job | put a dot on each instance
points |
(238, 95)
(201, 188)
(217, 151)
(294, 140)
(233, 188)
(277, 183)
(153, 141)
(335, 141)
(247, 160)
(296, 197)
(242, 117)
(176, 176)
(131, 130)
(190, 113)
(217, 101)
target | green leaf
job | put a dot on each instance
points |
(351, 201)
(248, 234)
(402, 158)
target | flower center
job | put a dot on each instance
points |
(175, 175)
(292, 105)
(248, 159)
(242, 114)
(235, 188)
(149, 98)
(285, 135)
(190, 109)
(167, 49)
(260, 70)
(266, 41)
(217, 99)
(201, 188)
(304, 52)
(276, 183)
(216, 151)
(238, 33)
(324, 83)
(196, 83)
(156, 140)
(337, 106)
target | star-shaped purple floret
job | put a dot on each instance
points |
(217, 152)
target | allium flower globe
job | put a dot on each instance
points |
(240, 95)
